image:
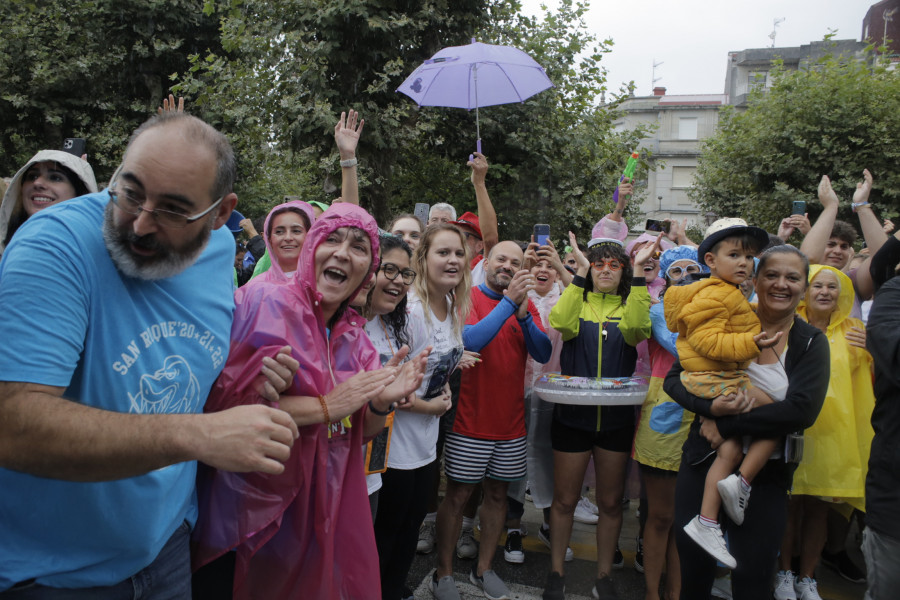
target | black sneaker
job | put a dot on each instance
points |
(604, 589)
(555, 588)
(618, 559)
(844, 565)
(639, 556)
(513, 551)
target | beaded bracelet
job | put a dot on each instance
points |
(325, 410)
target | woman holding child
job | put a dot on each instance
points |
(799, 358)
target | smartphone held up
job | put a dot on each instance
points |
(541, 234)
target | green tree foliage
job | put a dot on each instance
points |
(834, 118)
(94, 69)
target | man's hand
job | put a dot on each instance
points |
(826, 193)
(247, 438)
(277, 374)
(347, 132)
(479, 165)
(169, 105)
(249, 229)
(517, 291)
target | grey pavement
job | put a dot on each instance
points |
(526, 581)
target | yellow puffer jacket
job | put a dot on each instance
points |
(715, 325)
(839, 441)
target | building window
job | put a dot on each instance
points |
(758, 79)
(683, 177)
(687, 128)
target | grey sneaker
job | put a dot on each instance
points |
(711, 540)
(492, 586)
(466, 546)
(444, 588)
(426, 537)
(734, 498)
(604, 589)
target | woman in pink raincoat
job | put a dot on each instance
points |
(307, 533)
(284, 232)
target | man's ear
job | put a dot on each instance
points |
(226, 207)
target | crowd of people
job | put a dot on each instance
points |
(177, 421)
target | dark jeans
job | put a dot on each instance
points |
(754, 544)
(402, 505)
(168, 577)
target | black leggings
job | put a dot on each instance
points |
(402, 502)
(754, 544)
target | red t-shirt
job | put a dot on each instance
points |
(492, 394)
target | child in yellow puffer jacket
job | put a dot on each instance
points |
(719, 335)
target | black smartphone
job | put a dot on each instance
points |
(657, 226)
(541, 234)
(798, 207)
(76, 146)
(421, 211)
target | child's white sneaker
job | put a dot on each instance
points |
(807, 589)
(734, 498)
(711, 540)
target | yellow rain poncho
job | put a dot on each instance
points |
(839, 441)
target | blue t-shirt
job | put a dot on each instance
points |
(70, 319)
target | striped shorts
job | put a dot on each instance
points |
(469, 460)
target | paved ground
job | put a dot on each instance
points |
(526, 581)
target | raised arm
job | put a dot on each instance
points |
(813, 245)
(873, 233)
(346, 136)
(487, 216)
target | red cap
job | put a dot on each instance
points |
(470, 220)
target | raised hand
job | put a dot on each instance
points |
(863, 188)
(581, 261)
(479, 165)
(646, 253)
(826, 193)
(521, 282)
(347, 132)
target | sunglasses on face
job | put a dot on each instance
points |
(675, 272)
(611, 264)
(391, 271)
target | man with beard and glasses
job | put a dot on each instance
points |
(116, 309)
(488, 443)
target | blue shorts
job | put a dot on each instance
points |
(469, 460)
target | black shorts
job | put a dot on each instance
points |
(568, 439)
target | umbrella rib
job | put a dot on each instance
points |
(509, 79)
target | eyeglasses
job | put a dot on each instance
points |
(675, 272)
(129, 201)
(611, 264)
(391, 271)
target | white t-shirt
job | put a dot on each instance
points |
(414, 438)
(773, 380)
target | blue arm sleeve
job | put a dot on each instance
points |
(479, 335)
(661, 332)
(536, 341)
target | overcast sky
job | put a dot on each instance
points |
(692, 38)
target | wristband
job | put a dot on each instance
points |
(857, 205)
(325, 411)
(350, 162)
(381, 413)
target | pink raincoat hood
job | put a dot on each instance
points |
(275, 272)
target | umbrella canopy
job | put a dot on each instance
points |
(475, 75)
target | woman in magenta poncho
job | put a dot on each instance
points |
(307, 533)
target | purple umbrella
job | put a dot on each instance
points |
(475, 75)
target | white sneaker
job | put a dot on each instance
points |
(711, 540)
(807, 589)
(590, 504)
(426, 537)
(734, 498)
(583, 512)
(784, 586)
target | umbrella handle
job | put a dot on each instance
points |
(477, 149)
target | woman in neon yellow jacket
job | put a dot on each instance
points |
(602, 315)
(838, 443)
